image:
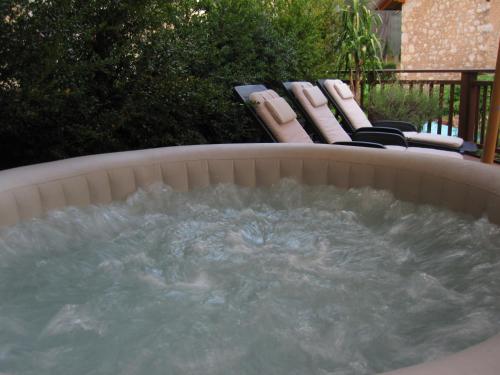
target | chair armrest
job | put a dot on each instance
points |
(372, 129)
(382, 138)
(359, 144)
(401, 125)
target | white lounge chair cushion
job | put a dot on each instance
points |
(280, 110)
(435, 139)
(343, 90)
(349, 106)
(321, 116)
(315, 96)
(291, 132)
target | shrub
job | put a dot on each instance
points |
(395, 102)
(357, 46)
(81, 77)
(389, 65)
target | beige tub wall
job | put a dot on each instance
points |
(460, 185)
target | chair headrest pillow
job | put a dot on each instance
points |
(315, 96)
(343, 90)
(280, 110)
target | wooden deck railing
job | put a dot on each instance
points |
(466, 101)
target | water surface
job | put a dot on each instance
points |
(228, 280)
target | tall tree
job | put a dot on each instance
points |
(356, 44)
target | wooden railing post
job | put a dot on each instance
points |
(494, 118)
(468, 103)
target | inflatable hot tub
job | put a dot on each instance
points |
(462, 186)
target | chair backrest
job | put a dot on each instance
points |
(344, 101)
(243, 93)
(279, 117)
(315, 105)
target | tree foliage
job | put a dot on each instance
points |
(356, 44)
(80, 77)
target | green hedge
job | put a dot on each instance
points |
(84, 77)
(395, 102)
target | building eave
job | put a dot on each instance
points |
(390, 4)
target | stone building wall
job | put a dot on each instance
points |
(449, 34)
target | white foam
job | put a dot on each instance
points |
(70, 318)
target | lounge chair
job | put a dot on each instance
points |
(313, 105)
(340, 96)
(279, 119)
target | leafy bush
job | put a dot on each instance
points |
(81, 77)
(357, 45)
(389, 65)
(394, 102)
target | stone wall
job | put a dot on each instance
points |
(449, 34)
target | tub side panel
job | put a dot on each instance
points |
(361, 175)
(147, 175)
(175, 175)
(221, 172)
(292, 168)
(122, 182)
(28, 202)
(408, 186)
(99, 187)
(198, 175)
(9, 214)
(315, 172)
(474, 201)
(339, 174)
(76, 191)
(431, 190)
(244, 172)
(481, 359)
(493, 210)
(267, 172)
(384, 178)
(52, 195)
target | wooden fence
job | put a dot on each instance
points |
(465, 101)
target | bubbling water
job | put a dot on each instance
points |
(228, 280)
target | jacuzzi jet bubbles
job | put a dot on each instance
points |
(230, 280)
